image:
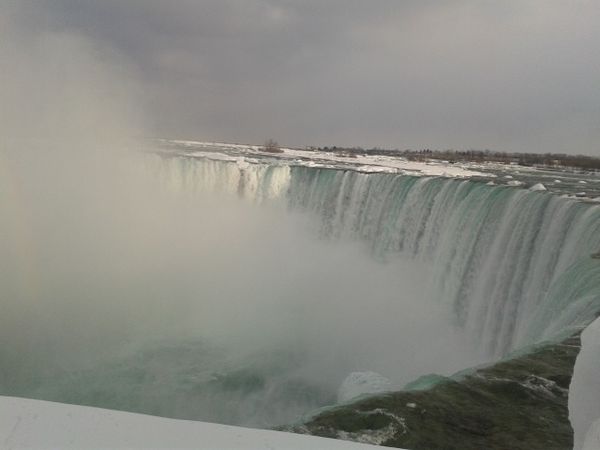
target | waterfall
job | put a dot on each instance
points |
(513, 264)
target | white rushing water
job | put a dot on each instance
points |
(256, 292)
(513, 264)
(122, 294)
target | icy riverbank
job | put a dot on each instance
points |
(584, 392)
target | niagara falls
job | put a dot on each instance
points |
(297, 224)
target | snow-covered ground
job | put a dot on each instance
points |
(592, 437)
(584, 393)
(26, 423)
(362, 163)
(561, 181)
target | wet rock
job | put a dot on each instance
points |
(517, 404)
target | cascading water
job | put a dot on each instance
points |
(210, 308)
(514, 264)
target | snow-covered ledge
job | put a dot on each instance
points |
(584, 393)
(28, 423)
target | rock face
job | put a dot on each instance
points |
(520, 403)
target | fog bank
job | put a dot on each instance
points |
(98, 263)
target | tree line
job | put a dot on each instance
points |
(583, 162)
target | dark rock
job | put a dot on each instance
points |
(517, 404)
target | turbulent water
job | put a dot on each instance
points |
(242, 316)
(513, 264)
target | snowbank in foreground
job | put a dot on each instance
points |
(584, 393)
(28, 423)
(592, 437)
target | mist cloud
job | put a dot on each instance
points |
(109, 265)
(97, 261)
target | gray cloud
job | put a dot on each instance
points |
(514, 76)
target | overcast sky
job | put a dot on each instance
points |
(505, 75)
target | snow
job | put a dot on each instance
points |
(359, 383)
(584, 392)
(538, 187)
(592, 437)
(359, 162)
(515, 183)
(26, 423)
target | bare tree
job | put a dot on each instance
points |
(272, 146)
